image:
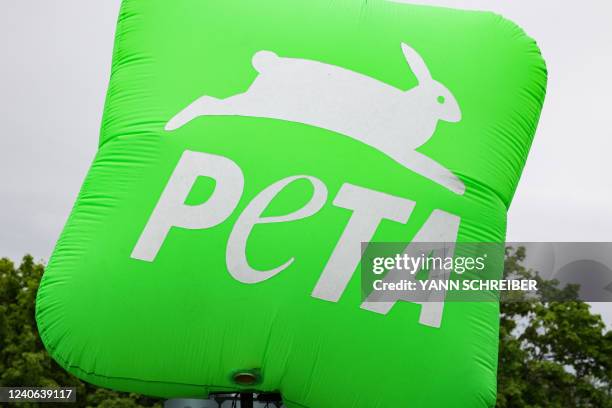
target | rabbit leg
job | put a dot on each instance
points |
(434, 171)
(204, 105)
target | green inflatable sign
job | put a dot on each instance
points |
(247, 149)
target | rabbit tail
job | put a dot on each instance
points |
(263, 59)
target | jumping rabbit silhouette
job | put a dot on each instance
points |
(391, 120)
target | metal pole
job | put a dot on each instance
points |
(227, 400)
(246, 400)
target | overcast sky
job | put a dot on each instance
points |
(55, 61)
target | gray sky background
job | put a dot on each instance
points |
(54, 68)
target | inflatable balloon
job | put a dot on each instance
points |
(247, 149)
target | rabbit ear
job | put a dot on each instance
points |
(417, 65)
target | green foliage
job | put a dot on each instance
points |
(553, 351)
(23, 359)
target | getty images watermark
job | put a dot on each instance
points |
(431, 272)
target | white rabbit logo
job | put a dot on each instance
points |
(391, 120)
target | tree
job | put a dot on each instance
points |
(553, 351)
(23, 359)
